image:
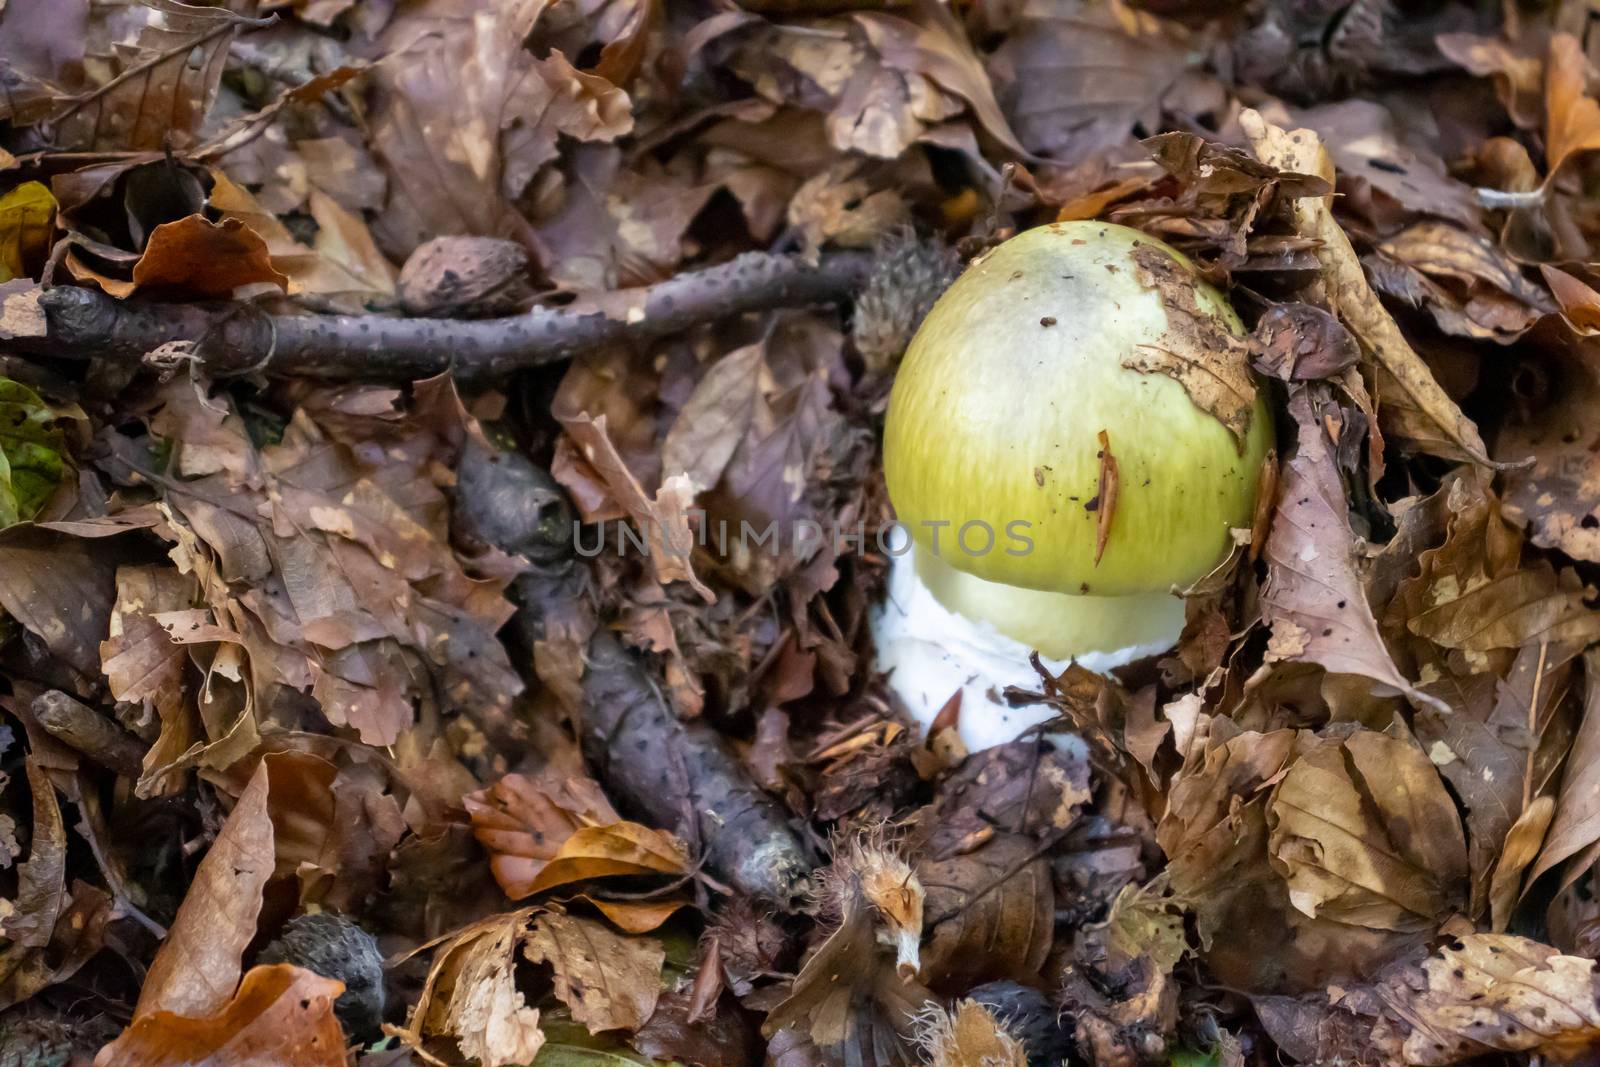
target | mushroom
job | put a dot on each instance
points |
(1071, 436)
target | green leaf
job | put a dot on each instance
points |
(554, 1055)
(25, 214)
(32, 452)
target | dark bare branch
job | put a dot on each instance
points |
(238, 338)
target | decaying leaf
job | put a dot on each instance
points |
(1365, 833)
(1487, 992)
(1418, 408)
(524, 822)
(609, 982)
(197, 969)
(471, 994)
(621, 848)
(1314, 598)
(282, 1016)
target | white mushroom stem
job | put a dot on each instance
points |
(976, 637)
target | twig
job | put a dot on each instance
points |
(75, 322)
(88, 731)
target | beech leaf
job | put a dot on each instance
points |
(282, 1016)
(197, 968)
(608, 981)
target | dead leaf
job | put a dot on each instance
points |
(26, 214)
(1077, 78)
(282, 1016)
(1575, 826)
(467, 122)
(1419, 409)
(1366, 834)
(194, 255)
(41, 879)
(1313, 598)
(197, 968)
(609, 982)
(1490, 992)
(165, 79)
(523, 823)
(1004, 933)
(623, 848)
(1572, 117)
(471, 994)
(1522, 845)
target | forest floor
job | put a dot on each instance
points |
(335, 334)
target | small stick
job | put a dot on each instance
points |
(80, 727)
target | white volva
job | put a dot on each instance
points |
(929, 652)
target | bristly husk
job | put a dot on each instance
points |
(908, 275)
(969, 1035)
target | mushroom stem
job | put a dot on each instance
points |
(940, 630)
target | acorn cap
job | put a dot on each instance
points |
(1061, 335)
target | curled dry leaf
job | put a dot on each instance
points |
(523, 823)
(1313, 599)
(1364, 832)
(1574, 834)
(197, 967)
(282, 1016)
(204, 258)
(609, 982)
(1418, 408)
(471, 994)
(622, 848)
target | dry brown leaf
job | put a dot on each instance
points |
(635, 916)
(1363, 139)
(1490, 992)
(30, 921)
(609, 982)
(1078, 77)
(663, 522)
(196, 256)
(623, 848)
(1006, 933)
(1572, 117)
(465, 124)
(1418, 408)
(1522, 845)
(1313, 598)
(714, 419)
(1575, 825)
(197, 968)
(523, 823)
(1366, 834)
(1523, 607)
(282, 1016)
(471, 994)
(161, 85)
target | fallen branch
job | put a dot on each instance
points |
(243, 338)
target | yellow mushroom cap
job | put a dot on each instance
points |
(1058, 335)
